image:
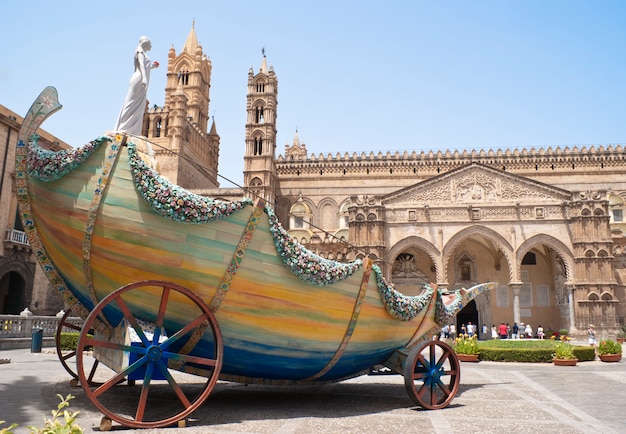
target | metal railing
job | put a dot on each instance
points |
(17, 237)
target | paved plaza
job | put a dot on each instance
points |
(493, 398)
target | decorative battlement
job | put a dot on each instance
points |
(578, 152)
(296, 161)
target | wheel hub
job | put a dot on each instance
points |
(435, 373)
(154, 353)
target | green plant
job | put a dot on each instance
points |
(609, 347)
(56, 426)
(563, 350)
(7, 430)
(465, 345)
(69, 340)
(584, 353)
(528, 351)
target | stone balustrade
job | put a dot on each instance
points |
(16, 330)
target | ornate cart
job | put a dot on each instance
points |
(170, 282)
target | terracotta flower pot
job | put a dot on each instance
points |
(468, 357)
(610, 357)
(565, 362)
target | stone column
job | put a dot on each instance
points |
(515, 287)
(569, 290)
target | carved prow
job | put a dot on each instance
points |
(46, 104)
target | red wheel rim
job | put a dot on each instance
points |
(64, 357)
(68, 359)
(156, 355)
(432, 374)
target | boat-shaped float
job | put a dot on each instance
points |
(213, 288)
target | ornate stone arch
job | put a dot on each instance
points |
(24, 270)
(258, 109)
(413, 242)
(558, 246)
(302, 212)
(343, 213)
(473, 231)
(328, 214)
(283, 205)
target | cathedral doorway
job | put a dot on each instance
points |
(468, 314)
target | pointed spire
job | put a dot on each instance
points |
(179, 88)
(192, 40)
(296, 139)
(264, 62)
(213, 131)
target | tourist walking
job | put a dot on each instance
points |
(591, 334)
(502, 331)
(528, 331)
(471, 329)
(515, 331)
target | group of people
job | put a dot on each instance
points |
(523, 331)
(449, 331)
(503, 331)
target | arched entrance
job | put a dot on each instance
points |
(12, 293)
(468, 314)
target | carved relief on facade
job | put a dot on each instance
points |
(405, 266)
(503, 213)
(438, 194)
(476, 185)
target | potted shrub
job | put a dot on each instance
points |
(609, 351)
(466, 348)
(621, 336)
(564, 355)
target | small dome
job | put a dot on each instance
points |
(615, 200)
(300, 208)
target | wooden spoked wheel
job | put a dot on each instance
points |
(432, 374)
(183, 338)
(68, 358)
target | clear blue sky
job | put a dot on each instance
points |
(352, 75)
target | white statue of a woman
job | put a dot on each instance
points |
(130, 119)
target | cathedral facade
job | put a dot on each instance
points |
(546, 224)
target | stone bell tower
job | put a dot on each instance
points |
(259, 174)
(187, 150)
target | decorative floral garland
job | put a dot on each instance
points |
(173, 201)
(398, 305)
(443, 312)
(46, 165)
(305, 264)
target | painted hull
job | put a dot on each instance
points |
(95, 229)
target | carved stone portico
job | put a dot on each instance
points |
(477, 224)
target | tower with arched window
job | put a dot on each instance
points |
(259, 173)
(186, 149)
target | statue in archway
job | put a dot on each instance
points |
(559, 284)
(404, 267)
